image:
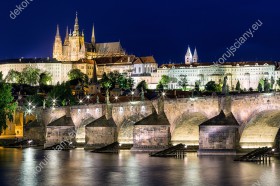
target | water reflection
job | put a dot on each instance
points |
(27, 167)
(79, 167)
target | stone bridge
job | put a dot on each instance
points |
(257, 114)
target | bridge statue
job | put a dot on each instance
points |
(97, 99)
(107, 96)
(224, 88)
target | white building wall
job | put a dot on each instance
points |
(55, 69)
(248, 76)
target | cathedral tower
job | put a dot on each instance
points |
(77, 43)
(66, 40)
(195, 56)
(188, 56)
(66, 49)
(57, 47)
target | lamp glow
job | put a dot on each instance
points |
(29, 111)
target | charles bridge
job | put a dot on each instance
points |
(257, 114)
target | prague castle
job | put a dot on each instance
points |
(75, 53)
(75, 48)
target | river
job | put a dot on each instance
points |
(28, 167)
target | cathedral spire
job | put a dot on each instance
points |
(93, 35)
(188, 57)
(195, 56)
(76, 26)
(66, 41)
(77, 20)
(57, 46)
(57, 31)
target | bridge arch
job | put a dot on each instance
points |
(262, 128)
(186, 128)
(81, 130)
(125, 134)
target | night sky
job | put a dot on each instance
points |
(148, 27)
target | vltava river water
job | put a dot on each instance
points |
(79, 167)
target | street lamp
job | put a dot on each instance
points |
(54, 102)
(132, 94)
(29, 111)
(88, 98)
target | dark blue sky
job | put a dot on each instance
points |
(161, 28)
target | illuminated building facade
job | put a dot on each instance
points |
(75, 48)
(248, 74)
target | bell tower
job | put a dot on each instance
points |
(77, 43)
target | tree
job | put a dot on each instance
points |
(272, 82)
(7, 106)
(165, 80)
(160, 86)
(105, 82)
(1, 76)
(77, 74)
(211, 86)
(219, 86)
(266, 86)
(183, 82)
(130, 83)
(278, 82)
(62, 93)
(262, 82)
(13, 77)
(31, 75)
(123, 82)
(260, 87)
(196, 87)
(237, 87)
(45, 78)
(112, 79)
